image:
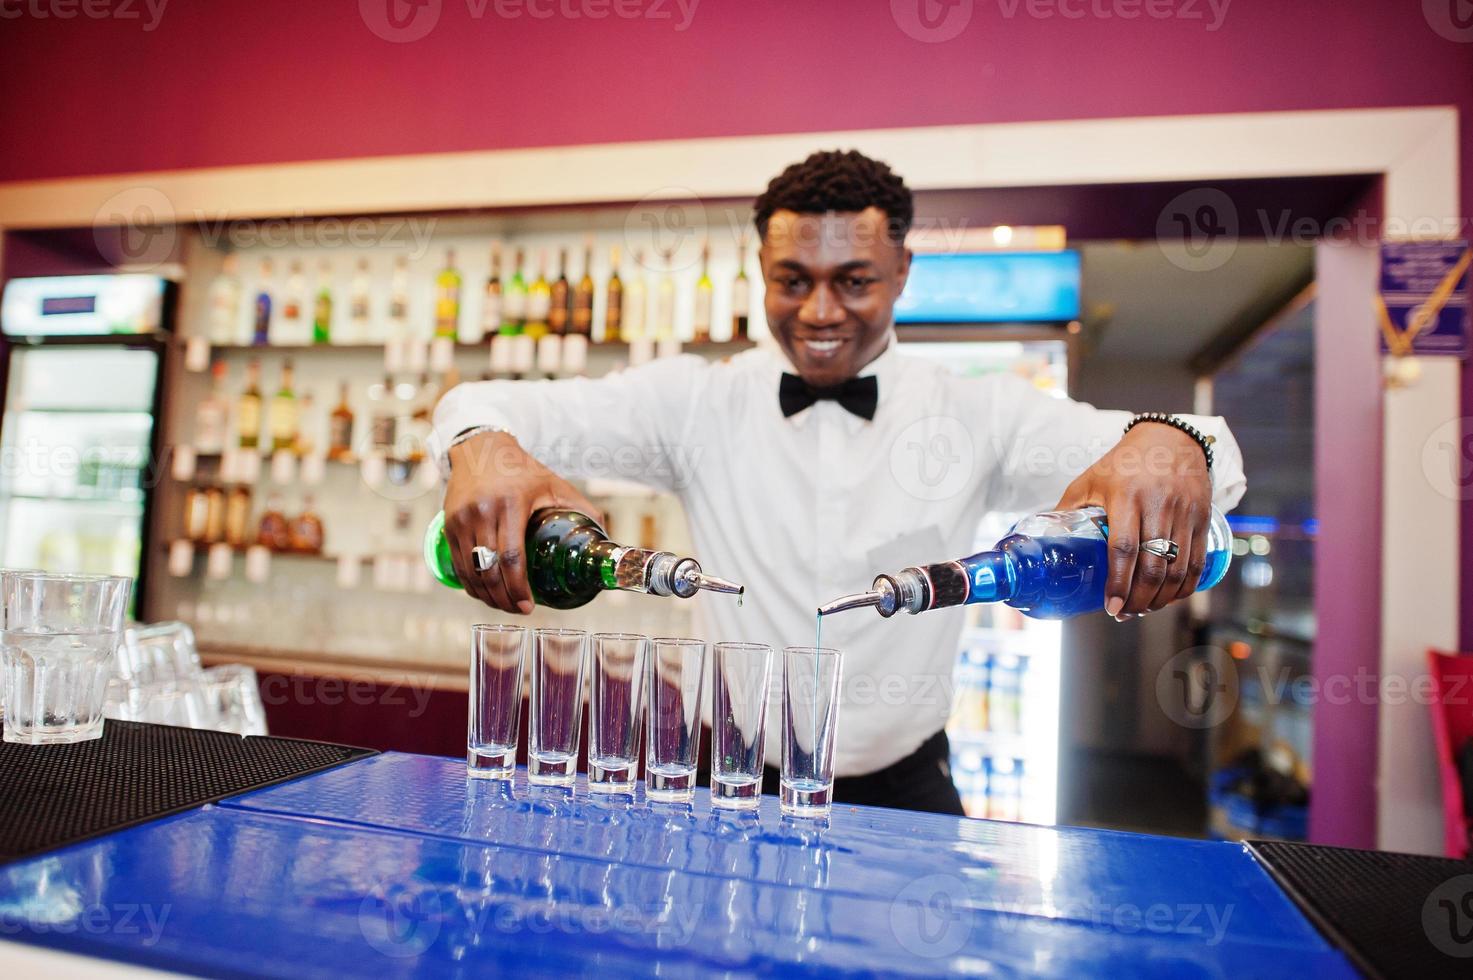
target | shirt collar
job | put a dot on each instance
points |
(882, 367)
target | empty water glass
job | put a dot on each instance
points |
(233, 697)
(57, 645)
(497, 655)
(616, 686)
(557, 705)
(741, 682)
(676, 672)
(810, 720)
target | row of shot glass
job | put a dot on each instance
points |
(656, 683)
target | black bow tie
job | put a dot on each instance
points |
(859, 396)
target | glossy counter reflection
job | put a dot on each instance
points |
(400, 865)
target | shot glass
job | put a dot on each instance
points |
(61, 633)
(557, 706)
(810, 720)
(497, 654)
(615, 696)
(676, 672)
(741, 681)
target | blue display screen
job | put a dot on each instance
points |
(991, 287)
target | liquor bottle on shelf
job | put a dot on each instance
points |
(274, 531)
(614, 310)
(447, 299)
(1051, 566)
(291, 302)
(382, 418)
(305, 532)
(570, 560)
(581, 321)
(701, 313)
(322, 306)
(491, 300)
(212, 415)
(665, 299)
(514, 302)
(261, 320)
(360, 303)
(635, 301)
(539, 301)
(196, 513)
(284, 420)
(214, 515)
(340, 426)
(306, 441)
(248, 408)
(559, 297)
(224, 302)
(741, 295)
(238, 517)
(399, 298)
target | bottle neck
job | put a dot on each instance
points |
(992, 577)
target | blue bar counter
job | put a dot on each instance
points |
(399, 865)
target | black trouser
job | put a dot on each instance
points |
(920, 781)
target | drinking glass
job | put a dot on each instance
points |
(233, 697)
(741, 681)
(557, 704)
(497, 653)
(60, 634)
(676, 671)
(5, 574)
(810, 720)
(614, 699)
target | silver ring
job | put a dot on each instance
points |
(1162, 548)
(483, 558)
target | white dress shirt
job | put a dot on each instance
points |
(804, 509)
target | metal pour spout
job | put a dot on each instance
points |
(856, 601)
(689, 579)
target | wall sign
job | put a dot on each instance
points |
(1423, 302)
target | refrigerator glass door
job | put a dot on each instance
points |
(74, 444)
(1004, 728)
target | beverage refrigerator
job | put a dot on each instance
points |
(81, 361)
(981, 314)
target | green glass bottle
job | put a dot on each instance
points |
(570, 560)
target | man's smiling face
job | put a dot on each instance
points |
(832, 282)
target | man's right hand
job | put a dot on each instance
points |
(494, 487)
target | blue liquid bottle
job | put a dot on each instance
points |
(1051, 566)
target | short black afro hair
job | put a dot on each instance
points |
(839, 180)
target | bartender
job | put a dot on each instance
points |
(806, 465)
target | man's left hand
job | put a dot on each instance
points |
(1153, 484)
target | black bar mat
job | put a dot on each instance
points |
(1394, 915)
(53, 795)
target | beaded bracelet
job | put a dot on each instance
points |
(1181, 425)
